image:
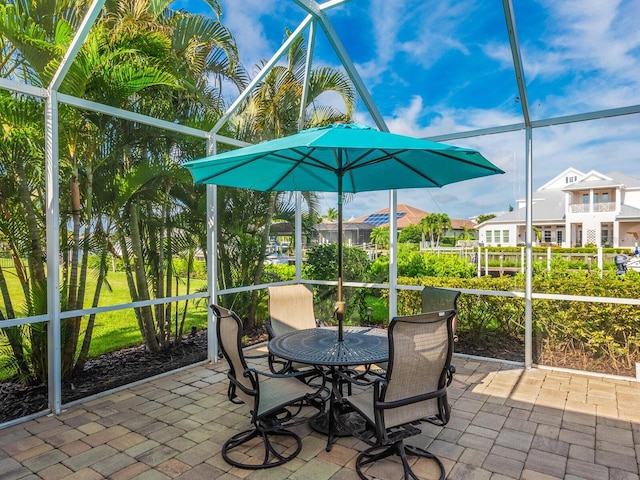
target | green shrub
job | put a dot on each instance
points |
(602, 332)
(322, 264)
(414, 263)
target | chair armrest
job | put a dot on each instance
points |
(294, 374)
(357, 378)
(408, 401)
(450, 372)
(270, 331)
(298, 375)
(233, 381)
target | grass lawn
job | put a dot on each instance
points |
(117, 329)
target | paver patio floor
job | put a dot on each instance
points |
(506, 423)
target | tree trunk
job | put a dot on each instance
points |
(71, 326)
(146, 312)
(257, 277)
(88, 334)
(36, 264)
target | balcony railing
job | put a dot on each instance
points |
(597, 207)
(604, 207)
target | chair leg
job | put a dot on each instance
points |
(272, 458)
(374, 454)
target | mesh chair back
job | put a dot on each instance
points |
(290, 308)
(229, 329)
(420, 350)
(436, 299)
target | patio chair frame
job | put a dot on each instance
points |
(272, 407)
(385, 434)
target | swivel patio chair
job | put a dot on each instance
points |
(290, 308)
(434, 299)
(273, 399)
(414, 390)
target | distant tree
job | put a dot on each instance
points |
(410, 234)
(380, 236)
(331, 215)
(484, 217)
(510, 208)
(435, 225)
(467, 233)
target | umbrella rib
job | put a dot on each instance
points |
(233, 167)
(297, 163)
(492, 168)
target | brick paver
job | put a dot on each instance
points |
(506, 423)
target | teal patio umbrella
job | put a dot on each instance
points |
(341, 158)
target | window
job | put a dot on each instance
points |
(488, 234)
(496, 236)
(547, 236)
(605, 197)
(559, 236)
(585, 198)
(505, 236)
(604, 239)
(595, 198)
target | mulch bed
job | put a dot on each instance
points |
(128, 365)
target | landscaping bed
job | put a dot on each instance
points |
(129, 365)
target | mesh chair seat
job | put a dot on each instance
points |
(434, 299)
(275, 392)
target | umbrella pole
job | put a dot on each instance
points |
(340, 304)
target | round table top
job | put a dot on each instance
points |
(320, 346)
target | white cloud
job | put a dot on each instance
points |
(582, 55)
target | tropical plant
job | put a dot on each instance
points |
(322, 264)
(484, 217)
(410, 234)
(380, 237)
(123, 185)
(331, 215)
(435, 225)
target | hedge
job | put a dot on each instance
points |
(607, 335)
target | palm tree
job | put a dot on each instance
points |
(435, 225)
(380, 237)
(331, 215)
(140, 56)
(273, 108)
(34, 36)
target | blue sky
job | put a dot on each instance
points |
(437, 67)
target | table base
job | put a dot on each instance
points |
(344, 426)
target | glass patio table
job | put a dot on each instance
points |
(320, 347)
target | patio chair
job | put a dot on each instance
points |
(434, 299)
(290, 308)
(273, 400)
(414, 390)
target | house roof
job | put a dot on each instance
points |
(281, 228)
(347, 226)
(628, 212)
(586, 184)
(408, 215)
(547, 207)
(627, 180)
(548, 203)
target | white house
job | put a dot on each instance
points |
(574, 209)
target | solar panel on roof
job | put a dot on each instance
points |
(377, 219)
